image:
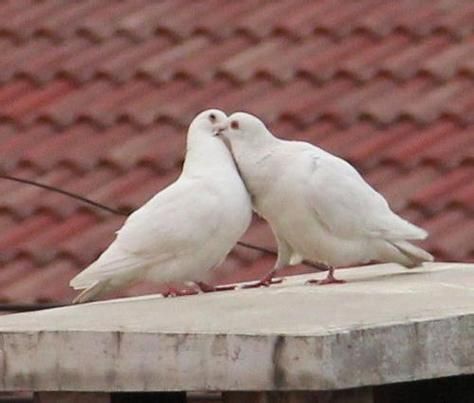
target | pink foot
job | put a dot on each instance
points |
(174, 292)
(267, 281)
(330, 279)
(263, 283)
(327, 280)
(204, 287)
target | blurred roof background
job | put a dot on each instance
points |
(95, 97)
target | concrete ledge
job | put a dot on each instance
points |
(387, 324)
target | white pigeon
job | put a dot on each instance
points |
(319, 207)
(185, 230)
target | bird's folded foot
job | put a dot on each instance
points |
(327, 280)
(330, 279)
(174, 292)
(204, 287)
(267, 281)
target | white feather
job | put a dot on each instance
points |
(318, 205)
(185, 230)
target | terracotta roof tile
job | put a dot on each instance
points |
(382, 18)
(445, 63)
(415, 144)
(432, 104)
(25, 108)
(26, 230)
(83, 65)
(301, 21)
(363, 64)
(322, 101)
(41, 285)
(56, 204)
(437, 194)
(371, 147)
(45, 247)
(341, 19)
(14, 145)
(399, 190)
(143, 22)
(462, 105)
(108, 109)
(101, 23)
(68, 108)
(90, 242)
(388, 108)
(23, 200)
(450, 150)
(95, 97)
(12, 273)
(22, 24)
(220, 23)
(459, 19)
(161, 144)
(62, 22)
(324, 64)
(406, 62)
(123, 65)
(259, 22)
(121, 185)
(161, 66)
(146, 109)
(350, 108)
(459, 241)
(49, 152)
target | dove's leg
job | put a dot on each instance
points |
(204, 287)
(174, 292)
(330, 279)
(284, 257)
(266, 281)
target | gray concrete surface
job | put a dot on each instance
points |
(387, 324)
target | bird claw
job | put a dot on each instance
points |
(204, 287)
(327, 280)
(263, 283)
(225, 288)
(174, 292)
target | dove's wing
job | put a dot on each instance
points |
(347, 205)
(175, 222)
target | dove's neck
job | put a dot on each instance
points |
(251, 158)
(254, 149)
(208, 155)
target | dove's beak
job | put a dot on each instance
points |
(219, 129)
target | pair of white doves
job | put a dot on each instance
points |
(319, 208)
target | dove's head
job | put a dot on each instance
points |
(208, 123)
(245, 128)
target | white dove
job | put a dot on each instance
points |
(319, 207)
(185, 230)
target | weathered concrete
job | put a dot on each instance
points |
(270, 397)
(102, 397)
(388, 324)
(71, 397)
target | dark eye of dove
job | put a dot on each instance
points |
(212, 118)
(234, 124)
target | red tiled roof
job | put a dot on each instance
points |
(95, 97)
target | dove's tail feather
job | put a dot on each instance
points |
(404, 253)
(98, 272)
(90, 293)
(395, 227)
(114, 269)
(416, 254)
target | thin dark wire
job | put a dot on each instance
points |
(66, 193)
(28, 307)
(122, 213)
